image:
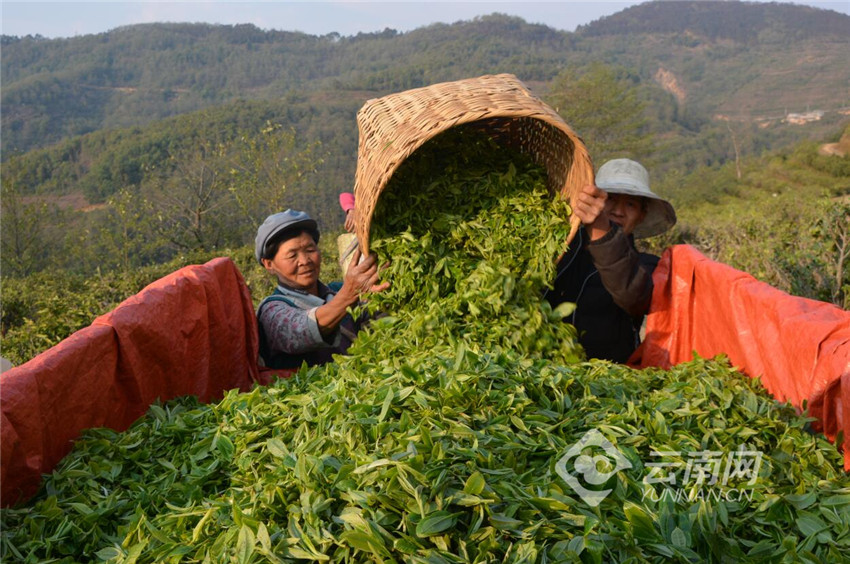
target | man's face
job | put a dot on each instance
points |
(625, 210)
(297, 263)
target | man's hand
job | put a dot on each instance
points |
(590, 209)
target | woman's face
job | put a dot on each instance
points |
(297, 263)
(625, 210)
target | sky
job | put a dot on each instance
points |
(54, 19)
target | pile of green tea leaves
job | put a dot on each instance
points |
(444, 435)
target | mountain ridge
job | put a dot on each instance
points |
(133, 74)
(54, 90)
(728, 20)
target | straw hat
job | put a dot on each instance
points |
(625, 176)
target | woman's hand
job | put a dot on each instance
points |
(349, 221)
(362, 277)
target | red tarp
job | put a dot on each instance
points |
(193, 332)
(800, 348)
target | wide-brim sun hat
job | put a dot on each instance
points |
(278, 223)
(625, 176)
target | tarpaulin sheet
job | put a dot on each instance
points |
(799, 348)
(193, 332)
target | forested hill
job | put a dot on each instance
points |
(132, 75)
(740, 22)
(732, 60)
(53, 89)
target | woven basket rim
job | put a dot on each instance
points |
(501, 96)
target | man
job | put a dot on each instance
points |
(305, 320)
(602, 272)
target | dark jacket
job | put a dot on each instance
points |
(611, 284)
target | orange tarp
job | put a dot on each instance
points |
(191, 333)
(800, 348)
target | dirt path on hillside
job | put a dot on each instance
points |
(831, 149)
(75, 201)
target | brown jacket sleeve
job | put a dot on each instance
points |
(625, 273)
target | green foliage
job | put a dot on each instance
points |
(267, 168)
(39, 310)
(785, 221)
(437, 440)
(189, 193)
(469, 233)
(192, 199)
(135, 75)
(100, 163)
(24, 232)
(832, 232)
(807, 154)
(432, 457)
(737, 21)
(601, 103)
(138, 74)
(128, 236)
(442, 436)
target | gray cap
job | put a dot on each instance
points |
(280, 222)
(625, 176)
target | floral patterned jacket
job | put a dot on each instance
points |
(289, 330)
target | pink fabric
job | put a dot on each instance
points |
(193, 332)
(346, 201)
(800, 348)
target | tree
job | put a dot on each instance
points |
(832, 231)
(129, 232)
(737, 152)
(601, 103)
(190, 199)
(268, 168)
(23, 230)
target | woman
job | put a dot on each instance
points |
(305, 320)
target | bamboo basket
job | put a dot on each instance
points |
(394, 126)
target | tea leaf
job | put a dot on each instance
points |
(435, 523)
